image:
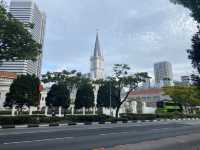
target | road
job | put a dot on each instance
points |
(92, 137)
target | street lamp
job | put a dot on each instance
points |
(110, 97)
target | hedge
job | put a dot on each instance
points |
(36, 119)
(87, 119)
(5, 112)
(19, 120)
(157, 116)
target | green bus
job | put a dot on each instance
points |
(168, 106)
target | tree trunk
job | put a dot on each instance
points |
(124, 100)
(186, 110)
(117, 110)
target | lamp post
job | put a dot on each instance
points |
(110, 97)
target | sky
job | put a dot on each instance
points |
(135, 32)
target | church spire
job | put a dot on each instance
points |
(97, 50)
(97, 62)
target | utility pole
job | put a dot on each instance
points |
(110, 97)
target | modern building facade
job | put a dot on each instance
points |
(97, 62)
(26, 11)
(163, 73)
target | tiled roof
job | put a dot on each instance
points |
(8, 75)
(142, 92)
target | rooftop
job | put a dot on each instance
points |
(8, 75)
(150, 91)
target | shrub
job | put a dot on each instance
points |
(88, 118)
(130, 116)
(33, 125)
(37, 119)
(38, 113)
(71, 123)
(174, 115)
(8, 126)
(19, 120)
(53, 124)
(5, 112)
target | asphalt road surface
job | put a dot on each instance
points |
(92, 137)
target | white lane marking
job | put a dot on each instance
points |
(160, 129)
(104, 134)
(42, 140)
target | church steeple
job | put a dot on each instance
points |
(97, 61)
(97, 50)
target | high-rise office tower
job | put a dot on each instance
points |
(163, 73)
(26, 11)
(97, 62)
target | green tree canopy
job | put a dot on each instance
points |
(122, 79)
(24, 91)
(58, 96)
(194, 53)
(84, 96)
(106, 91)
(192, 5)
(16, 43)
(71, 79)
(186, 96)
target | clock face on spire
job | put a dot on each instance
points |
(97, 61)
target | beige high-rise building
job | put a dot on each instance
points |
(26, 11)
(163, 73)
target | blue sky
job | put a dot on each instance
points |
(135, 32)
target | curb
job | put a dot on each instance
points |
(90, 123)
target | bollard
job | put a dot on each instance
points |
(46, 111)
(84, 111)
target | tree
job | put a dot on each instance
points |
(196, 80)
(194, 53)
(58, 96)
(192, 5)
(106, 91)
(16, 43)
(194, 56)
(24, 91)
(186, 96)
(125, 83)
(85, 95)
(71, 79)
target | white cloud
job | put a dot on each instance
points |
(135, 32)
